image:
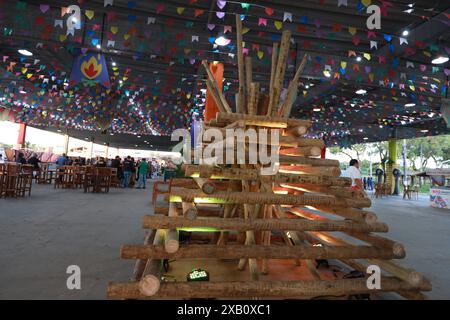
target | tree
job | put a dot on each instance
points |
(380, 149)
(338, 150)
(359, 149)
(426, 148)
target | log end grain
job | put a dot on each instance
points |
(149, 285)
(208, 187)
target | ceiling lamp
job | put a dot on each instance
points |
(405, 33)
(439, 60)
(358, 59)
(327, 73)
(361, 91)
(410, 105)
(222, 41)
(25, 52)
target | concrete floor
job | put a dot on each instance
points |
(42, 235)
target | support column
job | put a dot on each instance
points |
(107, 150)
(22, 135)
(392, 163)
(323, 153)
(91, 148)
(66, 143)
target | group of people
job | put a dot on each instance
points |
(129, 171)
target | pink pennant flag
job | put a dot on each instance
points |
(227, 29)
(159, 8)
(262, 22)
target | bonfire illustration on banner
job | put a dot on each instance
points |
(90, 68)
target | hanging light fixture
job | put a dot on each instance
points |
(222, 41)
(440, 59)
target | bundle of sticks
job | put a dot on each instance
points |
(304, 212)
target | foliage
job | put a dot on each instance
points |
(359, 149)
(426, 148)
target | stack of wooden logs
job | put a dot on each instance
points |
(305, 212)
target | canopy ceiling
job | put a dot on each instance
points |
(157, 48)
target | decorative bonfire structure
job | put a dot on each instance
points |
(281, 226)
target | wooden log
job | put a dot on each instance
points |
(248, 77)
(349, 213)
(201, 212)
(302, 151)
(409, 275)
(211, 172)
(150, 281)
(190, 211)
(171, 243)
(298, 131)
(206, 186)
(339, 192)
(221, 197)
(163, 222)
(263, 104)
(275, 289)
(231, 137)
(286, 108)
(140, 263)
(302, 169)
(273, 67)
(253, 97)
(256, 251)
(215, 91)
(279, 72)
(212, 89)
(262, 121)
(240, 58)
(161, 210)
(308, 161)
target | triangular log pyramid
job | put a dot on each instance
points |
(302, 213)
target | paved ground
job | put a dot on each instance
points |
(425, 233)
(42, 235)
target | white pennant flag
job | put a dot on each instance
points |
(108, 3)
(409, 64)
(402, 75)
(403, 40)
(342, 3)
(39, 45)
(194, 38)
(58, 23)
(70, 31)
(111, 43)
(151, 20)
(373, 44)
(36, 61)
(287, 16)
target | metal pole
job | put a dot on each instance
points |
(404, 162)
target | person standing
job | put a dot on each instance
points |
(21, 158)
(127, 169)
(61, 160)
(142, 171)
(354, 173)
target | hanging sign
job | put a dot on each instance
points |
(90, 67)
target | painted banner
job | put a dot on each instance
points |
(440, 198)
(90, 67)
